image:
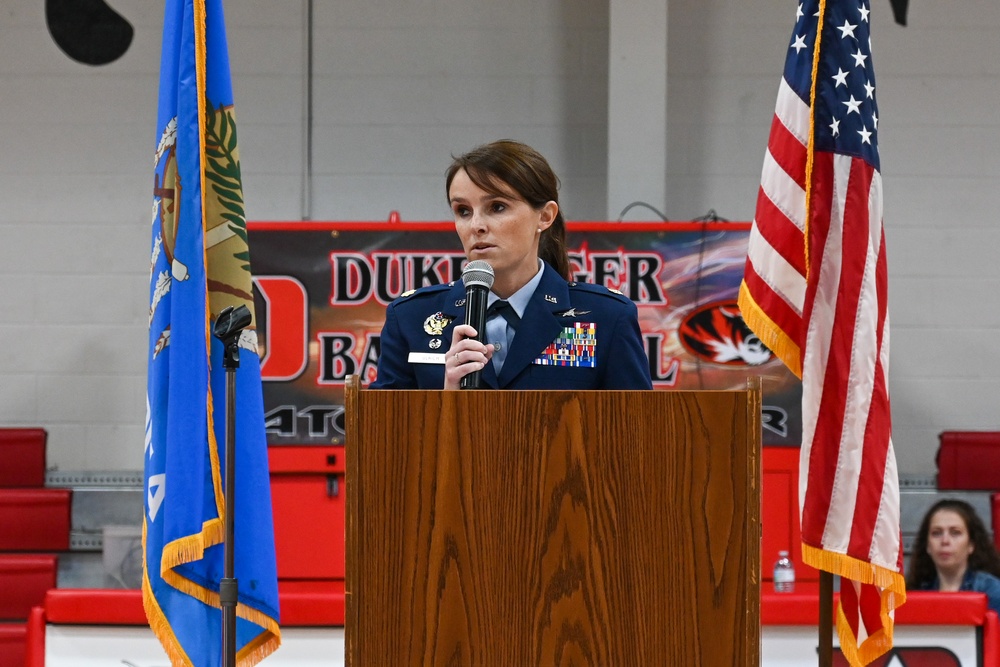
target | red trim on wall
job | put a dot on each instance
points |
(443, 226)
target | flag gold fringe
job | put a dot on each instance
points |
(201, 69)
(892, 590)
(811, 144)
(260, 647)
(158, 622)
(211, 598)
(769, 333)
(191, 548)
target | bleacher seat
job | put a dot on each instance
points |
(22, 451)
(34, 519)
(969, 460)
(24, 580)
(13, 638)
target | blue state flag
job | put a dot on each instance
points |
(199, 265)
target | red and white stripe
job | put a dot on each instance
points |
(776, 271)
(845, 405)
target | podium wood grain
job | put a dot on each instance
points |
(553, 528)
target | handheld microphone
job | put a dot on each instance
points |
(478, 278)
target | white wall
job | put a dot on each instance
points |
(939, 84)
(400, 85)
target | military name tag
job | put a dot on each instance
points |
(425, 358)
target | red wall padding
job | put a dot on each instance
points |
(303, 604)
(308, 500)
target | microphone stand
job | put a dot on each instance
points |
(228, 327)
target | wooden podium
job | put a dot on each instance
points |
(538, 528)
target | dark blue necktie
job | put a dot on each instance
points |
(505, 310)
(501, 331)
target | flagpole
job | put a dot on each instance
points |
(825, 619)
(228, 327)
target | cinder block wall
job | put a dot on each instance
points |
(400, 85)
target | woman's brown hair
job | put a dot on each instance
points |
(527, 173)
(983, 557)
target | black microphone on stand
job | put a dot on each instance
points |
(478, 278)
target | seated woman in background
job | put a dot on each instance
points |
(504, 198)
(953, 552)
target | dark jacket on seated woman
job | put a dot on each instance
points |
(974, 581)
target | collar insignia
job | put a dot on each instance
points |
(551, 299)
(435, 324)
(460, 303)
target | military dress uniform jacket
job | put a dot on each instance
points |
(571, 336)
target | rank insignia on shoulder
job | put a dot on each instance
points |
(615, 291)
(435, 324)
(572, 312)
(407, 293)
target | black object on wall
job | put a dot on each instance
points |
(88, 31)
(899, 10)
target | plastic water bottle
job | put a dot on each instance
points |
(784, 574)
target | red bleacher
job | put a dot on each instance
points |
(969, 460)
(23, 451)
(24, 580)
(13, 649)
(32, 519)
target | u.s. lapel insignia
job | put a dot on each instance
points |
(435, 324)
(551, 299)
(573, 312)
(460, 303)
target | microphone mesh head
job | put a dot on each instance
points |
(478, 272)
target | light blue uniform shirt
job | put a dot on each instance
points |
(498, 331)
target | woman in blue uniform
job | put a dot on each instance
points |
(552, 333)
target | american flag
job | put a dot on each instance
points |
(815, 292)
